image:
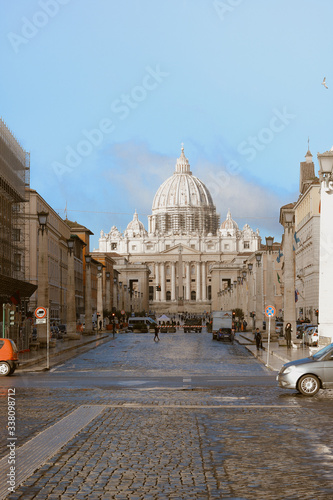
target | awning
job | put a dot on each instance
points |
(10, 286)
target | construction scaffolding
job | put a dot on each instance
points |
(14, 178)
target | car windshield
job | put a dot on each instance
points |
(323, 352)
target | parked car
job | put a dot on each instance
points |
(225, 334)
(311, 336)
(8, 357)
(192, 325)
(308, 375)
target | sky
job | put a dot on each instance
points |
(102, 93)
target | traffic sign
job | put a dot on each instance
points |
(40, 312)
(122, 312)
(270, 311)
(40, 321)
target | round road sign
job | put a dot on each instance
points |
(270, 311)
(40, 312)
(122, 312)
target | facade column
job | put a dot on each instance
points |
(180, 274)
(188, 280)
(325, 329)
(100, 294)
(43, 281)
(173, 280)
(289, 309)
(198, 295)
(107, 291)
(204, 285)
(88, 307)
(157, 278)
(71, 309)
(162, 273)
(259, 294)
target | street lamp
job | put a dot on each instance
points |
(42, 219)
(258, 258)
(244, 273)
(43, 277)
(250, 267)
(269, 243)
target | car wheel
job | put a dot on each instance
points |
(308, 385)
(4, 369)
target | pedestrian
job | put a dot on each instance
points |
(156, 338)
(258, 337)
(244, 325)
(287, 332)
(100, 324)
(113, 328)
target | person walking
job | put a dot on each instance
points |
(156, 338)
(287, 332)
(258, 338)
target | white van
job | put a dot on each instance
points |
(141, 324)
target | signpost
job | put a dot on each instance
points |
(270, 313)
(41, 314)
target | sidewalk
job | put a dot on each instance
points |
(64, 349)
(277, 356)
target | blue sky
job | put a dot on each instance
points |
(102, 93)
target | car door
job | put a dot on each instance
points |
(328, 370)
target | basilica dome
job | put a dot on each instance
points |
(135, 227)
(183, 204)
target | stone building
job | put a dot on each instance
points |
(183, 243)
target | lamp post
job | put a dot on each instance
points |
(43, 276)
(121, 298)
(325, 254)
(259, 305)
(71, 308)
(125, 297)
(287, 220)
(88, 308)
(100, 296)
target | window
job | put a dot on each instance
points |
(16, 234)
(133, 247)
(226, 246)
(17, 261)
(246, 244)
(113, 246)
(193, 295)
(168, 295)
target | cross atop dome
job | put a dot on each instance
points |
(182, 165)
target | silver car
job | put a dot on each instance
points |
(308, 375)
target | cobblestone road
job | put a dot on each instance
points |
(235, 442)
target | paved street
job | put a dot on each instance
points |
(182, 418)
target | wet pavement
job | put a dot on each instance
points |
(182, 418)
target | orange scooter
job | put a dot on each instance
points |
(8, 357)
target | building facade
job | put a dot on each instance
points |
(183, 243)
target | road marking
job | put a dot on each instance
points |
(42, 447)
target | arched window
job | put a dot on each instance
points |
(193, 295)
(168, 295)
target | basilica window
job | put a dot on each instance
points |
(246, 244)
(133, 247)
(193, 295)
(113, 246)
(227, 247)
(168, 295)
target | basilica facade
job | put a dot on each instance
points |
(184, 245)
